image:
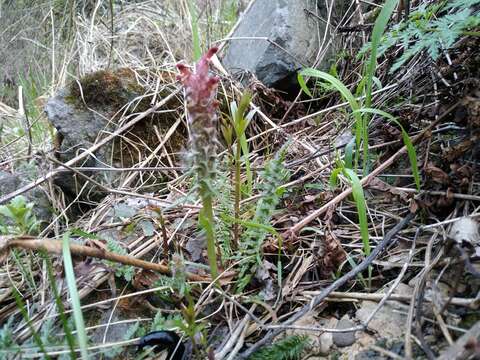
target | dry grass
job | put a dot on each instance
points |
(150, 37)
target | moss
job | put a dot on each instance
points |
(109, 91)
(105, 89)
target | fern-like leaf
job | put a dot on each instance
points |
(290, 348)
(273, 176)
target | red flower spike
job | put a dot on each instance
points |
(200, 89)
(200, 86)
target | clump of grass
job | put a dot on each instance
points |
(361, 113)
(240, 123)
(200, 91)
(365, 86)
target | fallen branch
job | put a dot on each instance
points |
(55, 247)
(472, 303)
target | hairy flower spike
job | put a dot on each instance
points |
(200, 87)
(200, 91)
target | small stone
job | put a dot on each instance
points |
(345, 338)
(325, 342)
(387, 321)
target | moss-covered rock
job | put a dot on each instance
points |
(95, 106)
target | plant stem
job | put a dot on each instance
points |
(164, 231)
(471, 33)
(238, 196)
(208, 225)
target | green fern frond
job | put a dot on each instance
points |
(224, 209)
(124, 271)
(290, 348)
(273, 176)
(431, 28)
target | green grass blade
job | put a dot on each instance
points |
(59, 303)
(197, 49)
(72, 289)
(353, 265)
(360, 132)
(23, 311)
(303, 85)
(358, 196)
(334, 177)
(335, 82)
(378, 30)
(240, 124)
(349, 154)
(412, 154)
(248, 168)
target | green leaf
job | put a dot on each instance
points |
(378, 30)
(412, 154)
(74, 297)
(80, 233)
(289, 348)
(360, 132)
(349, 154)
(303, 85)
(334, 177)
(358, 196)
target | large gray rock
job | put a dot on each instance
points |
(294, 42)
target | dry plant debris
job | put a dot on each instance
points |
(295, 279)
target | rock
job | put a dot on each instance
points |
(320, 344)
(345, 338)
(91, 108)
(362, 342)
(294, 42)
(387, 322)
(465, 230)
(325, 342)
(10, 182)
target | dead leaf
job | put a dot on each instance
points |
(436, 174)
(378, 184)
(144, 279)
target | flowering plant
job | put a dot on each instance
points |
(200, 90)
